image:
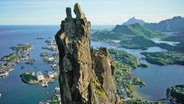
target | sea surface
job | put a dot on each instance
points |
(14, 91)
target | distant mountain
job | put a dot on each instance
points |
(122, 32)
(175, 24)
(135, 30)
(132, 36)
(133, 20)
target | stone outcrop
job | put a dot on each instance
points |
(86, 75)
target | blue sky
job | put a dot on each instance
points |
(99, 12)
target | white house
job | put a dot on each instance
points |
(51, 58)
(51, 74)
(4, 73)
(39, 76)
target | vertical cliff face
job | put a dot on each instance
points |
(85, 76)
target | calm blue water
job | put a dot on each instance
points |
(157, 78)
(13, 89)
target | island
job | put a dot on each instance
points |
(22, 47)
(164, 58)
(29, 77)
(22, 52)
(39, 77)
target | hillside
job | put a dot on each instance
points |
(136, 30)
(175, 24)
(132, 36)
(124, 32)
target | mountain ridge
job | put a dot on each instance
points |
(126, 31)
(133, 20)
(175, 24)
(135, 29)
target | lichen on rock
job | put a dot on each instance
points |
(86, 76)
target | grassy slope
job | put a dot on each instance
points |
(131, 36)
(136, 30)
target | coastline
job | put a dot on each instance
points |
(139, 95)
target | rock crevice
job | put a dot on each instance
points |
(86, 76)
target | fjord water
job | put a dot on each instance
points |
(14, 91)
(158, 79)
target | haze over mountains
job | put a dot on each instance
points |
(137, 36)
(175, 24)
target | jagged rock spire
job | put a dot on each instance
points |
(84, 74)
(68, 13)
(78, 12)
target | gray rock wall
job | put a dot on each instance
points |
(86, 77)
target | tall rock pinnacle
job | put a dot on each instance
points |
(86, 77)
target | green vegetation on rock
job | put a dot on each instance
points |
(9, 57)
(127, 61)
(138, 42)
(54, 100)
(101, 92)
(21, 46)
(124, 32)
(135, 30)
(29, 77)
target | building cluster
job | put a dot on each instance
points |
(51, 57)
(45, 78)
(5, 73)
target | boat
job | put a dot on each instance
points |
(11, 70)
(0, 95)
